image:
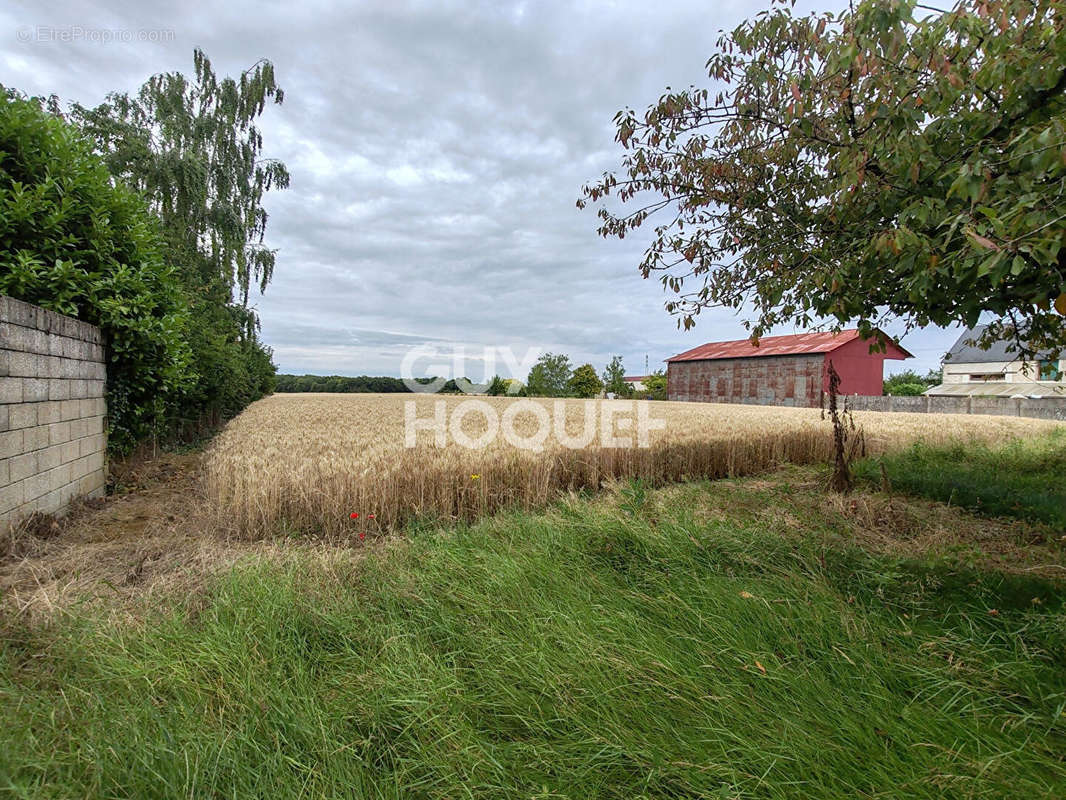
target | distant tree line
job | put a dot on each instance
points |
(551, 376)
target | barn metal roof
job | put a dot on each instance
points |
(795, 344)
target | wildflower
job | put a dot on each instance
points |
(354, 515)
(362, 536)
(370, 516)
(475, 477)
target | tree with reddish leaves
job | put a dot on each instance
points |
(891, 160)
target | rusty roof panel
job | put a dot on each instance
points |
(795, 344)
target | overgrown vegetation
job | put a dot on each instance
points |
(157, 237)
(76, 243)
(1024, 478)
(708, 640)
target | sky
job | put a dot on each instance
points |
(437, 150)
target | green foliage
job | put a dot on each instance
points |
(74, 242)
(655, 385)
(339, 383)
(614, 375)
(549, 377)
(682, 646)
(1024, 478)
(585, 382)
(908, 383)
(888, 157)
(498, 386)
(192, 148)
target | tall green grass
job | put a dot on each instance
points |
(1024, 478)
(602, 649)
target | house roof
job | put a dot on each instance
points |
(795, 344)
(1000, 389)
(634, 378)
(963, 352)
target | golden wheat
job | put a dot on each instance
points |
(306, 461)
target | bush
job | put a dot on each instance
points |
(75, 243)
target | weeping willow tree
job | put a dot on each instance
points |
(192, 148)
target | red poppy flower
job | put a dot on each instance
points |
(361, 535)
(353, 515)
(370, 516)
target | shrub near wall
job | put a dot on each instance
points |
(72, 242)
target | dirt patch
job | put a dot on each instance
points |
(153, 538)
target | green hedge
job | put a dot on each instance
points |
(74, 242)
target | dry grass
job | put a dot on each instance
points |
(304, 462)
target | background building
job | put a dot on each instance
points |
(780, 370)
(969, 370)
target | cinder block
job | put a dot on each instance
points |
(99, 407)
(22, 466)
(5, 472)
(34, 390)
(69, 369)
(58, 433)
(92, 484)
(11, 496)
(10, 443)
(78, 389)
(78, 428)
(59, 477)
(71, 452)
(49, 412)
(51, 502)
(68, 409)
(86, 408)
(18, 312)
(10, 390)
(94, 389)
(96, 461)
(50, 457)
(97, 371)
(22, 415)
(50, 367)
(35, 438)
(58, 389)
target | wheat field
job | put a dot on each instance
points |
(306, 462)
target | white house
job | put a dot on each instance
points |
(971, 370)
(635, 382)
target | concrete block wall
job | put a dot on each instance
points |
(1043, 408)
(52, 411)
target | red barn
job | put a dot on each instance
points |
(780, 370)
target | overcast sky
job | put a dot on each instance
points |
(436, 150)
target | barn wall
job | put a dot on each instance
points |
(793, 380)
(51, 411)
(861, 372)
